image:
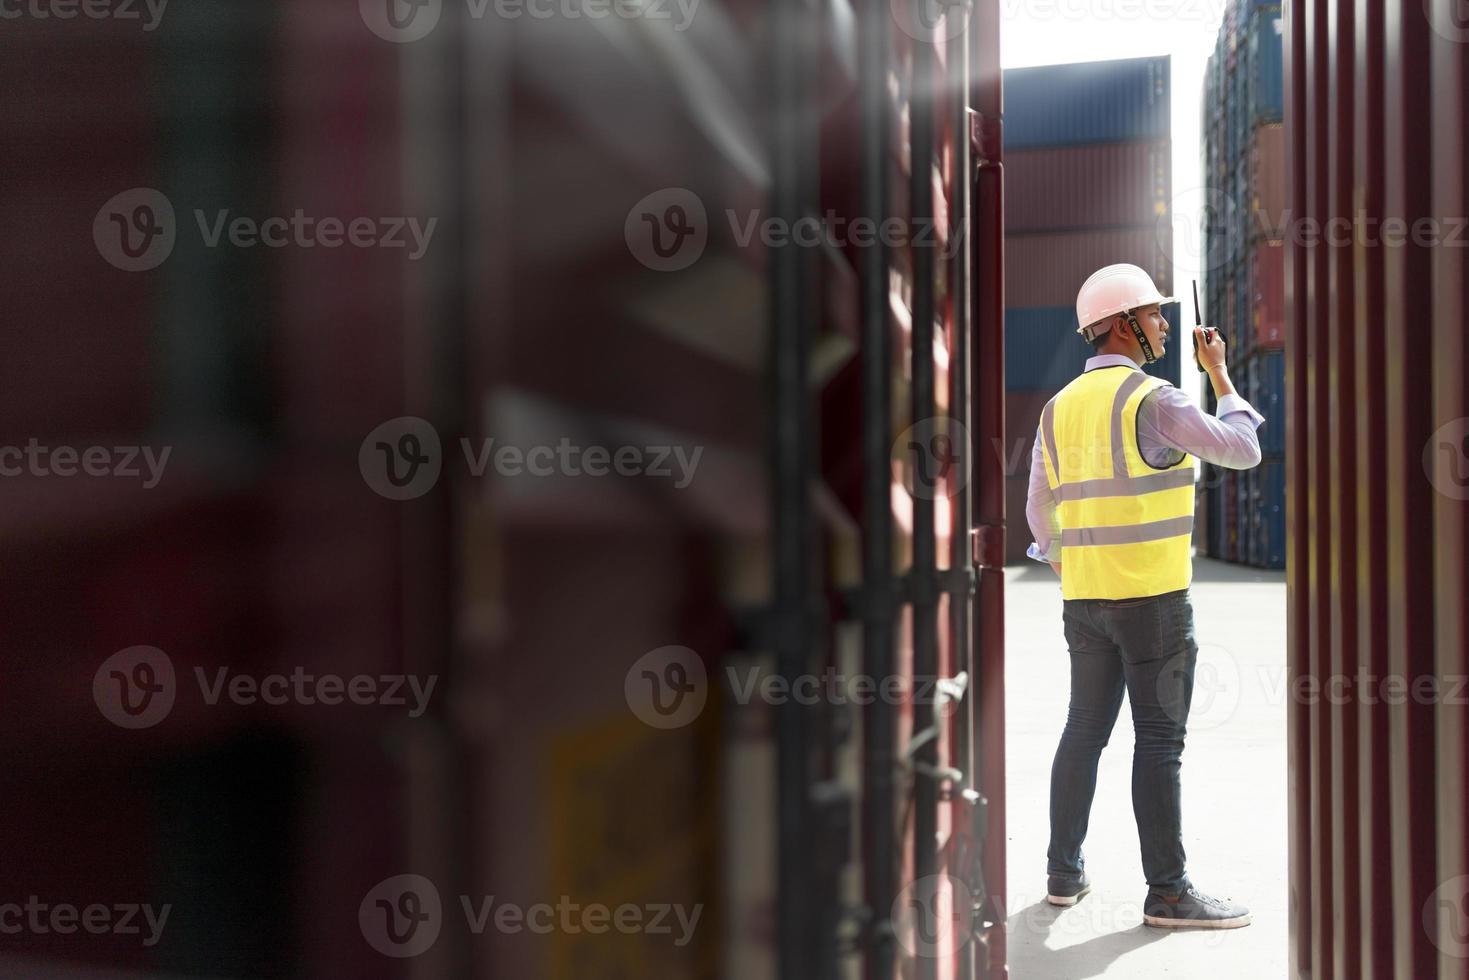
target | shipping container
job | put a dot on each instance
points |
(1097, 102)
(1264, 79)
(1043, 351)
(1266, 202)
(1267, 298)
(1265, 517)
(1097, 185)
(1378, 516)
(1048, 269)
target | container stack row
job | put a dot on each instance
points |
(1088, 183)
(1245, 224)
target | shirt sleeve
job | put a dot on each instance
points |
(1169, 422)
(1040, 509)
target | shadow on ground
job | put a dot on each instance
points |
(1035, 960)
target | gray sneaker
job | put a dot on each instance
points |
(1063, 891)
(1193, 910)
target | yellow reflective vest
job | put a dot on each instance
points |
(1126, 526)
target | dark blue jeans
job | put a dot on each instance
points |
(1147, 646)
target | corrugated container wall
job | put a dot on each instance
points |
(1089, 183)
(1376, 461)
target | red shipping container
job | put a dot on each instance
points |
(1048, 269)
(1267, 283)
(1267, 182)
(1099, 185)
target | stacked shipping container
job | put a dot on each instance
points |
(1089, 162)
(1244, 227)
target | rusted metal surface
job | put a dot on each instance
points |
(1375, 130)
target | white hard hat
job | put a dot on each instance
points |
(1113, 290)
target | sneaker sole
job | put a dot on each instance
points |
(1161, 922)
(1068, 900)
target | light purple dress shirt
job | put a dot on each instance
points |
(1169, 425)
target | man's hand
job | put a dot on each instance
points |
(1213, 353)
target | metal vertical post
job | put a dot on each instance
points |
(792, 447)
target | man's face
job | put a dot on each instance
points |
(1155, 327)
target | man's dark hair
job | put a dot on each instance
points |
(1100, 334)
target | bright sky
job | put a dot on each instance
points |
(1052, 32)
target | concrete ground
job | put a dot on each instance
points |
(1234, 792)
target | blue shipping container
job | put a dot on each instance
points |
(1043, 351)
(1266, 518)
(1095, 102)
(1266, 393)
(1266, 76)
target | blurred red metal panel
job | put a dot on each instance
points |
(1410, 498)
(989, 298)
(1374, 944)
(1450, 60)
(1058, 188)
(1341, 505)
(1318, 557)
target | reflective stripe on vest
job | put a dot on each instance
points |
(1126, 527)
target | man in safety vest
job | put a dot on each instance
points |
(1111, 506)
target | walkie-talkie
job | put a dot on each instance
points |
(1199, 321)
